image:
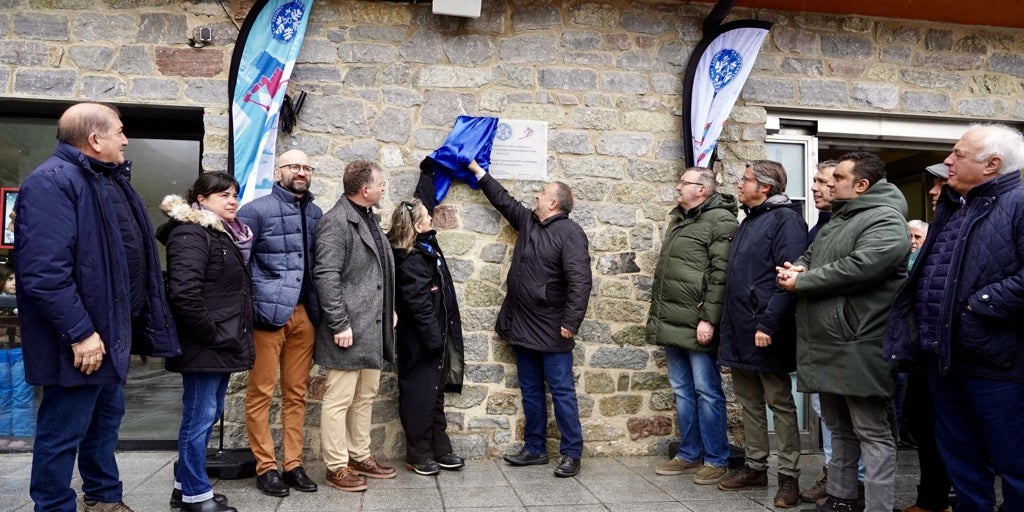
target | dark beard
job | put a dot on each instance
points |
(291, 187)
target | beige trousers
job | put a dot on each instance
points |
(345, 415)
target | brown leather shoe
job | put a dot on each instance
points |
(788, 495)
(817, 491)
(345, 479)
(744, 478)
(371, 468)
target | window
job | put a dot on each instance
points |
(165, 146)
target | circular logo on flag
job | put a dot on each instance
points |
(725, 65)
(285, 22)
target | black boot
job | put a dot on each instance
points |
(176, 498)
(833, 504)
(210, 505)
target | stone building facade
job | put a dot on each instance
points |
(386, 81)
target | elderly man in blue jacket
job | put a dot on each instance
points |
(89, 291)
(959, 314)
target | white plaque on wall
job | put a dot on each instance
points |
(520, 150)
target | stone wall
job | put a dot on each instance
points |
(386, 81)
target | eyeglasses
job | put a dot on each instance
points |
(296, 168)
(746, 179)
(407, 205)
(684, 183)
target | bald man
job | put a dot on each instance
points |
(287, 312)
(89, 291)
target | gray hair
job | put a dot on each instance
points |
(917, 224)
(705, 177)
(771, 174)
(562, 195)
(826, 164)
(1004, 141)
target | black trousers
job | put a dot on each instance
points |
(933, 491)
(421, 408)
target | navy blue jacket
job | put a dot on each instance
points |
(772, 233)
(987, 273)
(72, 274)
(279, 260)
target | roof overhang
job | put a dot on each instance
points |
(995, 13)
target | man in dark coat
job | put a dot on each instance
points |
(959, 315)
(758, 331)
(89, 291)
(845, 283)
(548, 292)
(354, 278)
(286, 314)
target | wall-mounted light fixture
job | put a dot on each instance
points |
(201, 36)
(463, 8)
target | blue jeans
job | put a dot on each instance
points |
(700, 406)
(17, 398)
(82, 420)
(535, 368)
(202, 400)
(978, 425)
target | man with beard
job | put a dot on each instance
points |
(283, 224)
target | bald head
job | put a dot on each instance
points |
(95, 129)
(293, 171)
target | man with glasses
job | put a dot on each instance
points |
(287, 311)
(355, 281)
(758, 328)
(549, 286)
(686, 306)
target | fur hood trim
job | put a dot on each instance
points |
(175, 207)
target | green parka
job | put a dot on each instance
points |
(689, 280)
(854, 267)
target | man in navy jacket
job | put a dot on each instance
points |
(758, 328)
(90, 291)
(287, 311)
(959, 314)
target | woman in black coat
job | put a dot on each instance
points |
(429, 333)
(210, 292)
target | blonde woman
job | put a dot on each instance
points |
(429, 332)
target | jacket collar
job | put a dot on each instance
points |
(74, 155)
(285, 196)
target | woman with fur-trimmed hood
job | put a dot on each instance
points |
(210, 291)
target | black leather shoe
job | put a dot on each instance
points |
(297, 479)
(450, 461)
(570, 466)
(270, 483)
(176, 498)
(428, 467)
(210, 505)
(525, 458)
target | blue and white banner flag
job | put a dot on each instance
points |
(268, 43)
(715, 75)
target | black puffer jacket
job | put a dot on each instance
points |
(772, 233)
(210, 292)
(550, 279)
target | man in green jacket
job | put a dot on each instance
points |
(686, 306)
(846, 281)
